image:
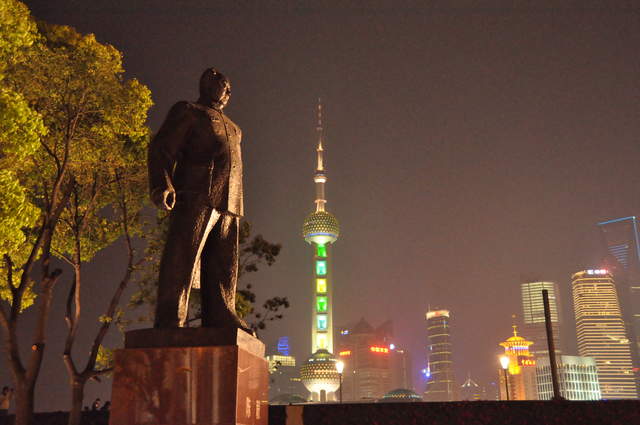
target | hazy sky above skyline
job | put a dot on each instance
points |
(465, 148)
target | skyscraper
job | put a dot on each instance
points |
(620, 238)
(442, 385)
(577, 378)
(284, 376)
(533, 316)
(366, 353)
(320, 229)
(601, 332)
(400, 365)
(521, 375)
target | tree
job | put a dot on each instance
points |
(254, 253)
(81, 181)
(26, 223)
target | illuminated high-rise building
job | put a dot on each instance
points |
(368, 357)
(284, 375)
(442, 384)
(400, 365)
(621, 240)
(521, 375)
(533, 316)
(577, 378)
(601, 332)
(320, 229)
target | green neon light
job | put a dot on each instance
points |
(322, 250)
(321, 286)
(321, 304)
(321, 267)
(322, 322)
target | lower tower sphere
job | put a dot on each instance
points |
(320, 376)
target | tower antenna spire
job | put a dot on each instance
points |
(320, 130)
(320, 178)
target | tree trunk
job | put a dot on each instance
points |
(77, 398)
(24, 403)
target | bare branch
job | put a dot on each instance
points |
(115, 300)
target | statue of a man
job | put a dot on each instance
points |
(195, 171)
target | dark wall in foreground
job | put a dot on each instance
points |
(61, 418)
(462, 413)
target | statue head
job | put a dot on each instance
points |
(215, 89)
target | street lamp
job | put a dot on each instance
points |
(340, 368)
(504, 362)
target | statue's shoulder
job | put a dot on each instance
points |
(181, 111)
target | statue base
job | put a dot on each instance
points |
(190, 376)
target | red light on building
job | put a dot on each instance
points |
(345, 353)
(375, 349)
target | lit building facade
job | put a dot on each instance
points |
(521, 375)
(621, 240)
(601, 332)
(368, 357)
(441, 385)
(577, 378)
(534, 326)
(284, 375)
(320, 229)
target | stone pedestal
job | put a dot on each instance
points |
(190, 376)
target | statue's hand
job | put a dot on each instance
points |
(166, 199)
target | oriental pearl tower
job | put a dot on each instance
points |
(320, 229)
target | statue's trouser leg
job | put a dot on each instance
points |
(219, 274)
(189, 227)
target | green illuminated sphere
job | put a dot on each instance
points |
(320, 227)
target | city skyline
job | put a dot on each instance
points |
(467, 147)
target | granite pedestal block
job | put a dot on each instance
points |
(190, 376)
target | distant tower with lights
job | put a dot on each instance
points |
(521, 376)
(320, 229)
(442, 385)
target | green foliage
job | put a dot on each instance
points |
(66, 110)
(21, 129)
(104, 360)
(17, 32)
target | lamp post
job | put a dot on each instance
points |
(340, 368)
(504, 362)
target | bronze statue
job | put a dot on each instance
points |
(195, 171)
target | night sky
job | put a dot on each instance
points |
(466, 147)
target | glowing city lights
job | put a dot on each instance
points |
(375, 349)
(321, 267)
(321, 286)
(322, 322)
(321, 304)
(526, 362)
(321, 341)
